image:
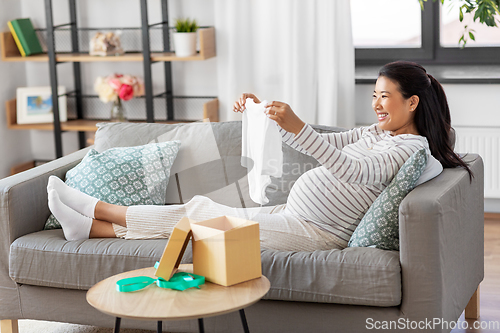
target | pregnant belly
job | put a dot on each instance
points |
(320, 197)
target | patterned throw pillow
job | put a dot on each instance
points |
(124, 175)
(380, 226)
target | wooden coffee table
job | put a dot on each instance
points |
(154, 303)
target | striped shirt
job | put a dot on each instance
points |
(356, 166)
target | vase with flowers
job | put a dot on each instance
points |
(115, 88)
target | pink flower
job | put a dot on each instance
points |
(126, 92)
(116, 84)
(120, 86)
(139, 88)
(128, 79)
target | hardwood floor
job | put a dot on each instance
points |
(489, 321)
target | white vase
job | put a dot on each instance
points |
(185, 44)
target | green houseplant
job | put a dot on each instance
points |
(185, 37)
(486, 11)
(186, 25)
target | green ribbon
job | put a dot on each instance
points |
(179, 281)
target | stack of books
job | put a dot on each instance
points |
(25, 36)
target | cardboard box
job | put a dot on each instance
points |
(226, 250)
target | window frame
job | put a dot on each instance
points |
(431, 51)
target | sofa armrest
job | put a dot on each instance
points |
(442, 243)
(23, 210)
(23, 198)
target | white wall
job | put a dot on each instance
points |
(15, 146)
(471, 105)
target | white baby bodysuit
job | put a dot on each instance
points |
(261, 151)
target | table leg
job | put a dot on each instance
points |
(160, 327)
(244, 321)
(201, 328)
(117, 324)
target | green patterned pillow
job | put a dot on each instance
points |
(124, 175)
(380, 226)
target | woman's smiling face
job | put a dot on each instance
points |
(394, 112)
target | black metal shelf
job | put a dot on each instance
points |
(146, 39)
(130, 38)
(186, 107)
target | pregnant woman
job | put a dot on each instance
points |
(326, 203)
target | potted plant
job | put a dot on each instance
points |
(185, 37)
(486, 11)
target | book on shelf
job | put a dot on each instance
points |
(25, 36)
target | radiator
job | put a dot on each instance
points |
(486, 143)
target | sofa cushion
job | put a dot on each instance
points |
(357, 276)
(352, 276)
(200, 170)
(124, 175)
(45, 258)
(379, 227)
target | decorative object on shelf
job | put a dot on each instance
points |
(115, 88)
(185, 37)
(34, 105)
(25, 36)
(106, 44)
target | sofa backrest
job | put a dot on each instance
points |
(209, 160)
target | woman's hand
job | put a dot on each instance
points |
(282, 113)
(239, 105)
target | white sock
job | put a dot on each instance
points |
(73, 198)
(75, 225)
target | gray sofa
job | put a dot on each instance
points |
(433, 277)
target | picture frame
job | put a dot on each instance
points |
(34, 105)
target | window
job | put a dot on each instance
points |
(388, 30)
(373, 24)
(451, 29)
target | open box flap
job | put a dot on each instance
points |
(176, 246)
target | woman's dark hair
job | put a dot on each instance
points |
(432, 115)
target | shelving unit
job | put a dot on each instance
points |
(210, 112)
(10, 52)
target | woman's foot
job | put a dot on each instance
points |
(73, 198)
(75, 225)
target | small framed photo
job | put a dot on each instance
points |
(34, 105)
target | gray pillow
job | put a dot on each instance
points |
(379, 227)
(124, 175)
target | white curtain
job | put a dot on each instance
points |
(295, 51)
